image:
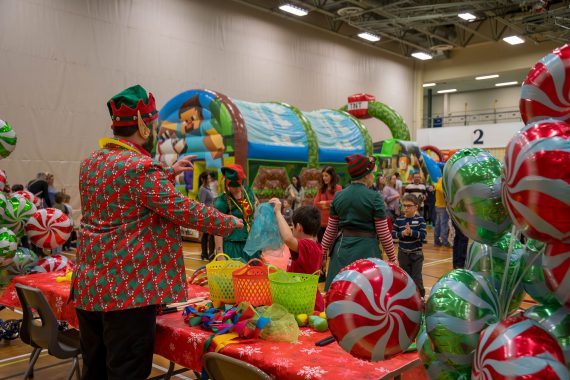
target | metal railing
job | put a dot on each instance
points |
(455, 119)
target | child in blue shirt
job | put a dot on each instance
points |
(410, 229)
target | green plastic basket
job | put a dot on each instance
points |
(295, 291)
(220, 282)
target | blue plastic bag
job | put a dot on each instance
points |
(264, 233)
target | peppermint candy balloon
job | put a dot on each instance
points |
(472, 188)
(8, 245)
(36, 201)
(461, 304)
(3, 179)
(7, 139)
(556, 320)
(374, 309)
(534, 282)
(556, 265)
(536, 186)
(49, 228)
(23, 261)
(16, 213)
(544, 92)
(518, 348)
(52, 263)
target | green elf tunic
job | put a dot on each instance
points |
(356, 208)
(243, 209)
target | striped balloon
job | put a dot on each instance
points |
(8, 245)
(374, 309)
(52, 263)
(36, 201)
(7, 139)
(23, 261)
(472, 189)
(534, 282)
(545, 92)
(556, 265)
(461, 304)
(49, 228)
(3, 179)
(555, 320)
(15, 213)
(518, 348)
(536, 187)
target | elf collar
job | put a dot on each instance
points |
(105, 142)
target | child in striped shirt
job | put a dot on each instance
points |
(410, 229)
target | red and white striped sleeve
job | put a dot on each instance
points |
(330, 233)
(385, 238)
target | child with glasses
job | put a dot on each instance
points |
(410, 229)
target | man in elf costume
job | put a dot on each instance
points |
(237, 200)
(129, 258)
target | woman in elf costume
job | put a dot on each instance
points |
(238, 200)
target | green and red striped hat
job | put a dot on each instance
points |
(125, 106)
(359, 165)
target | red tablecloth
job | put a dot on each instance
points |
(184, 345)
(180, 343)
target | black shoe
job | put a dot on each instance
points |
(322, 278)
(447, 245)
(437, 244)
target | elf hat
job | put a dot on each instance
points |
(234, 174)
(127, 104)
(359, 165)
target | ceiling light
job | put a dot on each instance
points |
(487, 77)
(293, 9)
(369, 37)
(513, 40)
(506, 84)
(447, 91)
(421, 55)
(467, 16)
(428, 84)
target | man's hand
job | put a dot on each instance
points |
(183, 165)
(238, 222)
(276, 205)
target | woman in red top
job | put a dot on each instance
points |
(325, 195)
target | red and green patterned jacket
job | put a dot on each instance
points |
(130, 253)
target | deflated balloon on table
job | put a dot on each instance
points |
(373, 309)
(536, 187)
(518, 348)
(461, 304)
(472, 189)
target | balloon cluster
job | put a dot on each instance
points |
(472, 328)
(21, 215)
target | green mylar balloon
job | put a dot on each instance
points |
(556, 320)
(8, 246)
(15, 214)
(490, 261)
(461, 304)
(23, 261)
(472, 190)
(436, 369)
(8, 139)
(534, 283)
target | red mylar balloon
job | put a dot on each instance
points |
(545, 92)
(373, 309)
(536, 187)
(518, 348)
(556, 268)
(49, 228)
(53, 263)
(36, 201)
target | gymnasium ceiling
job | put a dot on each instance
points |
(408, 26)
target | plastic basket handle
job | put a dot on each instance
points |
(223, 255)
(255, 260)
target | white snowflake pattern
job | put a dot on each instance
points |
(171, 346)
(382, 369)
(310, 351)
(13, 294)
(196, 338)
(306, 332)
(248, 351)
(309, 372)
(274, 348)
(59, 304)
(362, 363)
(282, 363)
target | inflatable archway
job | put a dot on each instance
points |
(271, 139)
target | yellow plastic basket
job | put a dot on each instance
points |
(220, 283)
(295, 291)
(251, 284)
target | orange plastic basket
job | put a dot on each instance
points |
(251, 284)
(220, 283)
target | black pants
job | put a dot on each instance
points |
(117, 345)
(460, 243)
(207, 243)
(412, 263)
